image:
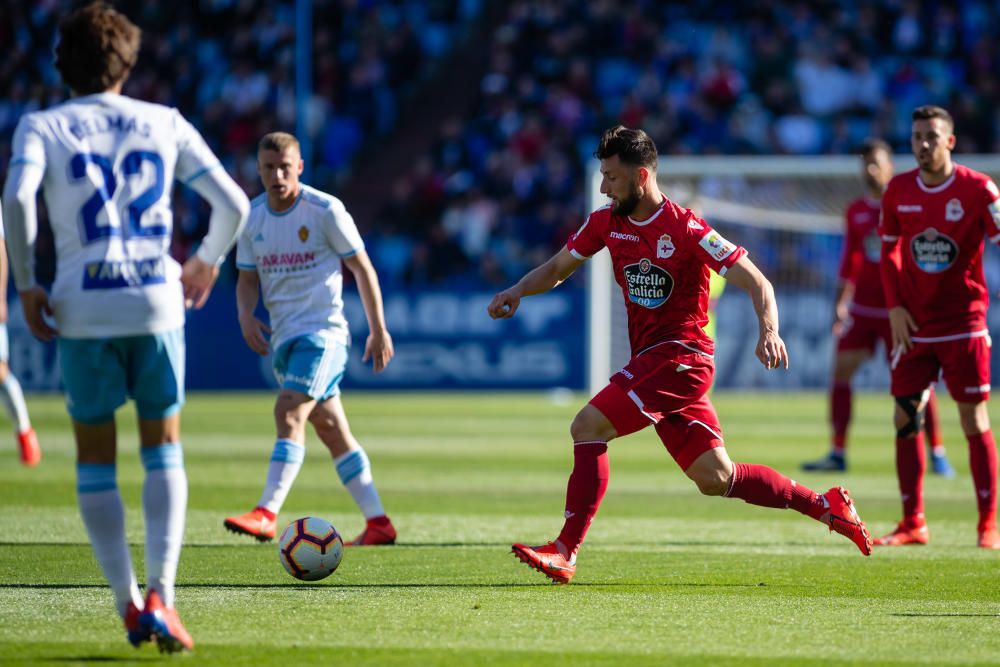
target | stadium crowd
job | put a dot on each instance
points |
(503, 185)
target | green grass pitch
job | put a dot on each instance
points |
(666, 576)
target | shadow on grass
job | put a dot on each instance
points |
(944, 615)
(98, 658)
(361, 587)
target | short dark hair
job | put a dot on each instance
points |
(873, 144)
(633, 147)
(98, 47)
(929, 111)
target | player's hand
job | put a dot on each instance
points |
(841, 317)
(902, 325)
(504, 304)
(378, 348)
(255, 334)
(771, 350)
(35, 303)
(197, 277)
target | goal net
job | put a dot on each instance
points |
(788, 213)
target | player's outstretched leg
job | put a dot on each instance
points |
(764, 486)
(261, 522)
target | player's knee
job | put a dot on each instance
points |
(909, 415)
(289, 416)
(710, 481)
(326, 424)
(589, 425)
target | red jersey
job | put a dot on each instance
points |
(932, 260)
(859, 264)
(662, 267)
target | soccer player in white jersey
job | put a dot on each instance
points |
(10, 389)
(106, 164)
(293, 248)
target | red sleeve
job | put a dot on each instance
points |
(710, 247)
(892, 259)
(991, 221)
(853, 255)
(589, 239)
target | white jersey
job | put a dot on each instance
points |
(297, 254)
(109, 164)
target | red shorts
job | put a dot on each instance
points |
(863, 332)
(666, 386)
(964, 364)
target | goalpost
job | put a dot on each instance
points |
(788, 213)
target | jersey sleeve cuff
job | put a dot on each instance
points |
(201, 172)
(576, 254)
(351, 253)
(246, 267)
(25, 160)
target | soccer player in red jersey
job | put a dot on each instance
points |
(860, 317)
(662, 255)
(933, 222)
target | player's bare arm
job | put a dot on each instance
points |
(3, 281)
(254, 331)
(378, 346)
(541, 279)
(770, 348)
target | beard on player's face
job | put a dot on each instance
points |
(627, 204)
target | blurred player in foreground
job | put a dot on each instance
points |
(294, 246)
(106, 164)
(662, 255)
(860, 318)
(10, 389)
(933, 222)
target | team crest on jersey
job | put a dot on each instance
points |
(303, 233)
(932, 251)
(716, 246)
(648, 285)
(665, 247)
(953, 211)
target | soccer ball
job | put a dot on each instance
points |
(310, 548)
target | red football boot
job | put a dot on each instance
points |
(31, 454)
(378, 532)
(548, 560)
(989, 539)
(844, 519)
(909, 531)
(164, 625)
(257, 523)
(134, 631)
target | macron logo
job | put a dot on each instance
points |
(909, 208)
(625, 237)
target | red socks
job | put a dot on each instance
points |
(760, 485)
(587, 484)
(840, 413)
(910, 464)
(932, 425)
(983, 462)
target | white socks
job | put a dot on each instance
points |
(164, 501)
(13, 402)
(104, 517)
(355, 472)
(286, 461)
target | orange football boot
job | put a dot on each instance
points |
(377, 532)
(31, 453)
(843, 518)
(164, 625)
(547, 559)
(909, 531)
(989, 539)
(254, 523)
